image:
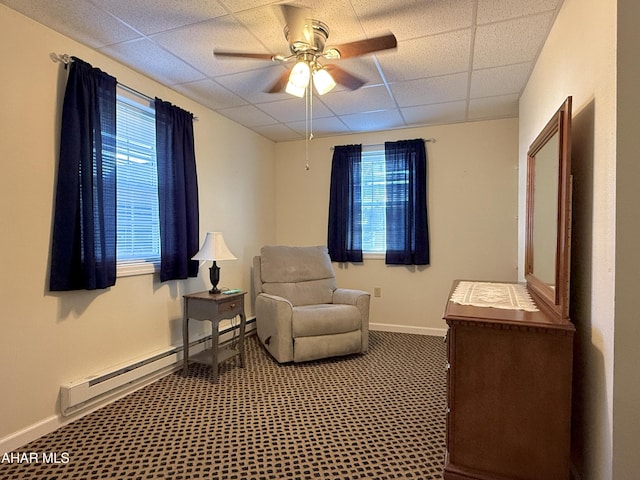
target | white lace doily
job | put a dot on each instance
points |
(510, 296)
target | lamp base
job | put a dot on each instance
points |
(214, 276)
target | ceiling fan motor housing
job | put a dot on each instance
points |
(301, 44)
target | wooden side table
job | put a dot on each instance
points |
(213, 307)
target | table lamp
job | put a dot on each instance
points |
(214, 249)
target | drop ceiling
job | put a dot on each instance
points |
(456, 61)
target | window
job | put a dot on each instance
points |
(115, 157)
(138, 226)
(378, 203)
(374, 193)
(376, 198)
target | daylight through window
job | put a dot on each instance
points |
(374, 193)
(138, 227)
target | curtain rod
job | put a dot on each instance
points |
(67, 59)
(381, 145)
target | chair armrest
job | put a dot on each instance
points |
(274, 309)
(268, 297)
(273, 322)
(361, 300)
(349, 297)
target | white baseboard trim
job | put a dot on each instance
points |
(18, 439)
(22, 437)
(385, 327)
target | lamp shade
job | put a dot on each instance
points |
(323, 81)
(214, 248)
(293, 90)
(300, 74)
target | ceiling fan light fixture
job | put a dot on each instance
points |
(323, 81)
(293, 90)
(300, 74)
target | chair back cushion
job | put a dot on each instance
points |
(302, 275)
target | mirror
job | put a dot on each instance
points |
(545, 211)
(548, 215)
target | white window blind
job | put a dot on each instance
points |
(138, 226)
(374, 194)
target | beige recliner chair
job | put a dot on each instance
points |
(300, 314)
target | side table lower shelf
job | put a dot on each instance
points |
(205, 357)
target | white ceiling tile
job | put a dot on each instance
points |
(195, 44)
(142, 14)
(512, 41)
(240, 5)
(145, 56)
(247, 115)
(440, 113)
(293, 109)
(265, 25)
(500, 80)
(447, 88)
(428, 56)
(77, 19)
(496, 10)
(416, 18)
(365, 99)
(278, 133)
(320, 126)
(493, 107)
(374, 121)
(210, 94)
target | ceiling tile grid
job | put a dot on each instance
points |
(456, 60)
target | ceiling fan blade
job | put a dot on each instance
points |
(344, 78)
(280, 84)
(298, 21)
(369, 45)
(258, 56)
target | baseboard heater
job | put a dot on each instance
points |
(96, 389)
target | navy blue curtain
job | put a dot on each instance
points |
(177, 192)
(83, 251)
(406, 212)
(344, 239)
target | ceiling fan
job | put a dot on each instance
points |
(307, 38)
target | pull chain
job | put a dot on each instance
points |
(308, 123)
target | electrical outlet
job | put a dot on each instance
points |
(377, 292)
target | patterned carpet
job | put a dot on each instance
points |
(375, 416)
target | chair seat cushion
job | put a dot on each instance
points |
(325, 319)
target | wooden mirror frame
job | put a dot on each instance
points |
(554, 301)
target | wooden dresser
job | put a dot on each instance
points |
(509, 394)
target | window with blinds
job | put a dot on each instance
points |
(374, 194)
(376, 199)
(138, 225)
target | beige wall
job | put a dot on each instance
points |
(579, 59)
(472, 197)
(49, 339)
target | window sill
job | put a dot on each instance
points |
(130, 269)
(373, 256)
